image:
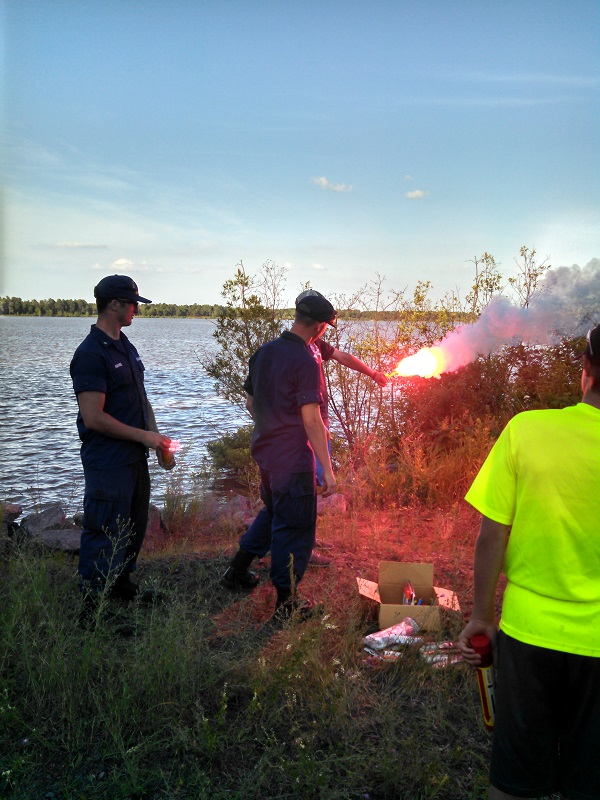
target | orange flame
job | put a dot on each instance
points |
(427, 363)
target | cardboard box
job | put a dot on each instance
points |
(389, 591)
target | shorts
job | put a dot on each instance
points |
(547, 725)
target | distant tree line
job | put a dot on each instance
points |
(174, 310)
(15, 306)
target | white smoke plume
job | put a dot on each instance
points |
(567, 304)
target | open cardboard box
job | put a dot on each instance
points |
(389, 591)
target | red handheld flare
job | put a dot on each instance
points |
(485, 678)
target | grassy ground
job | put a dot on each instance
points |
(209, 700)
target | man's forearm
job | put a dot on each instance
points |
(104, 423)
(348, 360)
(352, 362)
(91, 405)
(317, 436)
(152, 426)
(316, 433)
(489, 557)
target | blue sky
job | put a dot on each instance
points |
(170, 140)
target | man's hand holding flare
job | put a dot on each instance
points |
(165, 456)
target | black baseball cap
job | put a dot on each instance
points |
(119, 287)
(592, 348)
(313, 305)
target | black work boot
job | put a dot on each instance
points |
(288, 607)
(95, 616)
(124, 589)
(238, 577)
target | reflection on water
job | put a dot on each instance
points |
(40, 449)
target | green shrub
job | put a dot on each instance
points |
(231, 452)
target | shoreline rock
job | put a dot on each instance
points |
(54, 530)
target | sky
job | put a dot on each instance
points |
(340, 140)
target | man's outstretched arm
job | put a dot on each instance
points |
(352, 362)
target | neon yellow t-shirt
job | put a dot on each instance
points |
(543, 477)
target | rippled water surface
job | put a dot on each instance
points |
(40, 448)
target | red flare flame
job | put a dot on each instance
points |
(429, 362)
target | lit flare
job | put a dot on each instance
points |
(429, 362)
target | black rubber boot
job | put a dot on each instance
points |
(238, 577)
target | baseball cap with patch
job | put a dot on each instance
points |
(119, 287)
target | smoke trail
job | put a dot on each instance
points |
(567, 304)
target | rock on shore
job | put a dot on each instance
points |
(53, 529)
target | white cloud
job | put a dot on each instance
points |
(332, 187)
(122, 262)
(317, 266)
(416, 195)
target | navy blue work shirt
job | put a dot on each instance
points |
(283, 377)
(113, 367)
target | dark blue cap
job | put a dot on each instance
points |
(119, 287)
(313, 305)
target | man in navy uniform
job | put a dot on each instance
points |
(117, 427)
(284, 396)
(323, 351)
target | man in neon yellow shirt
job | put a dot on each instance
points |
(539, 494)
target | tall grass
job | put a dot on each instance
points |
(192, 708)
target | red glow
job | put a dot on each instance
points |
(427, 363)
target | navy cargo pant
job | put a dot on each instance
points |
(286, 525)
(115, 517)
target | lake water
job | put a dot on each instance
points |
(40, 461)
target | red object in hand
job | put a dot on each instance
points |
(485, 678)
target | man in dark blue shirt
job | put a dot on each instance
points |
(117, 427)
(322, 352)
(283, 391)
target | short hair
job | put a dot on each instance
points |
(308, 322)
(102, 303)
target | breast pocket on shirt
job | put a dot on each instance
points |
(139, 365)
(119, 374)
